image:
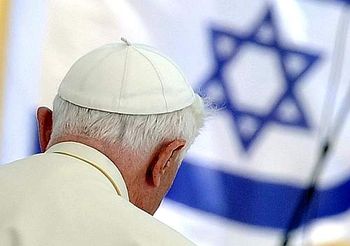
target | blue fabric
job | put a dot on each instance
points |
(251, 201)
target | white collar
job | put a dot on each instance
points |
(95, 158)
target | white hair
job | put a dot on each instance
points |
(141, 133)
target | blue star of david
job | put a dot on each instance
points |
(242, 117)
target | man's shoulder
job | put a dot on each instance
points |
(19, 166)
(33, 168)
(78, 196)
(145, 227)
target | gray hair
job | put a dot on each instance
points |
(141, 133)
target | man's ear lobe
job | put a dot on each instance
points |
(44, 118)
(166, 156)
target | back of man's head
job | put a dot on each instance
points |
(132, 104)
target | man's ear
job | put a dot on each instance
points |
(165, 157)
(44, 118)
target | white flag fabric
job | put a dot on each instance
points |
(22, 73)
(270, 69)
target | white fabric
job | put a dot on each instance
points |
(73, 195)
(129, 79)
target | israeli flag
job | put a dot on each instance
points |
(271, 69)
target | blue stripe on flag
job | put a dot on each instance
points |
(250, 201)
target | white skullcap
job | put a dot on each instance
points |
(126, 78)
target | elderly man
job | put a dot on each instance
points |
(121, 123)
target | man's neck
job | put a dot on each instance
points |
(130, 165)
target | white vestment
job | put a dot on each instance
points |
(73, 195)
